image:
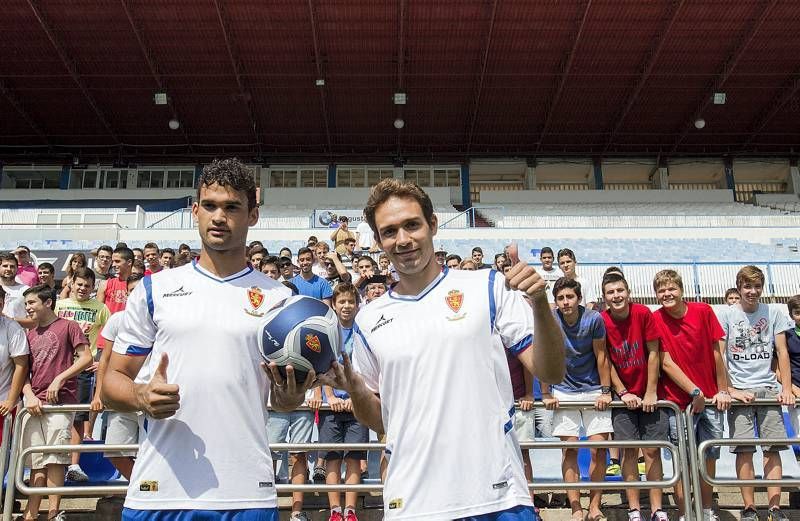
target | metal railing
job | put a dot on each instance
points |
(700, 472)
(18, 456)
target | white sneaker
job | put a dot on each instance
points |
(76, 473)
(710, 515)
(634, 515)
(61, 516)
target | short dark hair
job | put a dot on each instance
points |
(168, 250)
(84, 273)
(107, 248)
(304, 250)
(613, 269)
(565, 283)
(284, 261)
(451, 257)
(350, 239)
(546, 249)
(47, 266)
(498, 255)
(43, 292)
(124, 252)
(566, 252)
(391, 187)
(151, 246)
(793, 303)
(230, 173)
(184, 247)
(612, 277)
(8, 257)
(478, 249)
(734, 291)
(133, 277)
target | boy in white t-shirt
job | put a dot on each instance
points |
(13, 363)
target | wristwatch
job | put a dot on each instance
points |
(605, 389)
(695, 392)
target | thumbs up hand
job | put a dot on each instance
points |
(158, 399)
(523, 277)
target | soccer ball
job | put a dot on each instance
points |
(301, 331)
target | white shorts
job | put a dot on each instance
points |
(48, 429)
(571, 422)
(123, 429)
(534, 424)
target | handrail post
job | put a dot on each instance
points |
(692, 485)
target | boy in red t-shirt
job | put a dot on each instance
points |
(632, 344)
(59, 351)
(691, 355)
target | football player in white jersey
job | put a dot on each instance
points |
(205, 454)
(429, 369)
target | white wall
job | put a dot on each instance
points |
(336, 197)
(109, 194)
(606, 196)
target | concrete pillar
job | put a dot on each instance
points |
(729, 180)
(596, 180)
(529, 183)
(198, 171)
(63, 180)
(661, 176)
(466, 197)
(793, 184)
(331, 175)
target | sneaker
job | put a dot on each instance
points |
(776, 514)
(336, 516)
(634, 515)
(351, 516)
(749, 514)
(613, 470)
(76, 473)
(642, 467)
(318, 476)
(659, 515)
(61, 516)
(299, 516)
(710, 515)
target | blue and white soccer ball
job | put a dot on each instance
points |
(302, 332)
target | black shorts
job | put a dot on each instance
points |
(85, 390)
(639, 425)
(341, 427)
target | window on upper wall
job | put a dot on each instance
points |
(150, 179)
(446, 177)
(180, 178)
(112, 179)
(283, 178)
(421, 176)
(80, 179)
(27, 178)
(375, 175)
(314, 177)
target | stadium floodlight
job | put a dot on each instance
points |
(399, 123)
(720, 98)
(160, 98)
(174, 124)
(699, 123)
(400, 98)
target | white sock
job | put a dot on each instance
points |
(348, 510)
(74, 466)
(336, 509)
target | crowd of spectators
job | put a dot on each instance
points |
(616, 349)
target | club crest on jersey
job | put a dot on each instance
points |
(454, 300)
(313, 343)
(255, 297)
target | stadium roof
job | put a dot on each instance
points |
(482, 78)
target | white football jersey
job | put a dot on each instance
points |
(438, 362)
(213, 454)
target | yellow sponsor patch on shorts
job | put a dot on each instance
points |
(396, 504)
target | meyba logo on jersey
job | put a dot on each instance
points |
(454, 300)
(255, 297)
(180, 292)
(380, 323)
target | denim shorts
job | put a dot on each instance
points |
(290, 427)
(708, 425)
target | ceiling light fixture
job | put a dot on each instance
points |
(160, 98)
(699, 123)
(400, 98)
(399, 123)
(720, 98)
(174, 124)
(320, 82)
